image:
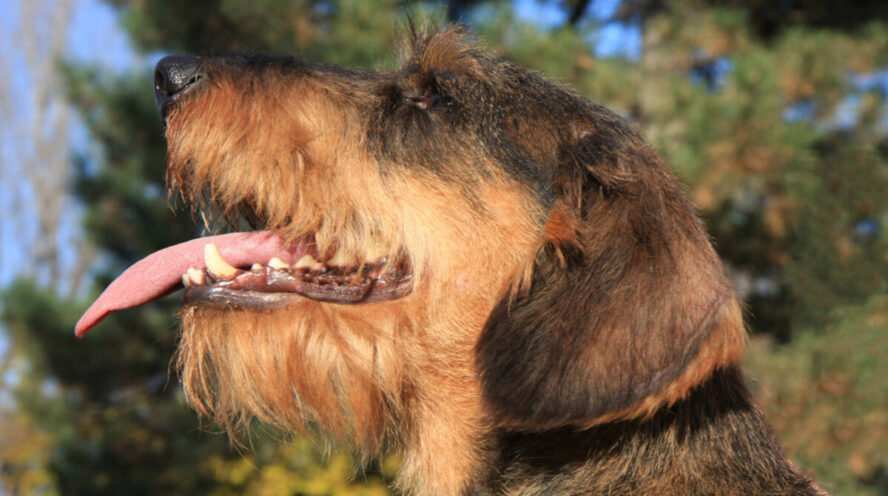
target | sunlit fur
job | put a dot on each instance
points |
(563, 288)
(383, 375)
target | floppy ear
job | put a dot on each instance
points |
(628, 307)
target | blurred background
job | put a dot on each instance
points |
(773, 114)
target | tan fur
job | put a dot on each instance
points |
(362, 373)
(297, 151)
(419, 374)
(723, 347)
(448, 51)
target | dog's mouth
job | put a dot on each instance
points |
(257, 270)
(277, 282)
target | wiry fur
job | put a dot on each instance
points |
(570, 329)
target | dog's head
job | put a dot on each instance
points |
(457, 235)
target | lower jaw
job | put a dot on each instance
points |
(224, 298)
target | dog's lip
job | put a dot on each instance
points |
(265, 286)
(166, 105)
(161, 272)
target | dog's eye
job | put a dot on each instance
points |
(425, 101)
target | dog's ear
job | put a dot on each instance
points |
(628, 307)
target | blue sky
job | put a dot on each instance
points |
(610, 39)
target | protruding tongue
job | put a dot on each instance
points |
(161, 272)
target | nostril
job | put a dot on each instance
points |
(159, 81)
(194, 79)
(172, 76)
(174, 73)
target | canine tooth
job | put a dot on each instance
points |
(196, 276)
(277, 263)
(340, 259)
(256, 267)
(215, 263)
(376, 252)
(307, 262)
(186, 281)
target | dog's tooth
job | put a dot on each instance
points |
(307, 262)
(277, 263)
(215, 263)
(375, 253)
(257, 267)
(196, 276)
(186, 281)
(341, 259)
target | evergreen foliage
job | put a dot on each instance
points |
(775, 119)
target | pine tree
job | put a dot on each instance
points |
(773, 113)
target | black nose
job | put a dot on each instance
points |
(173, 76)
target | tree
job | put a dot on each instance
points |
(114, 425)
(778, 129)
(34, 166)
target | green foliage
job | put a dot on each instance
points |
(104, 414)
(826, 395)
(836, 260)
(782, 148)
(785, 197)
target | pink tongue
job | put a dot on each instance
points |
(161, 272)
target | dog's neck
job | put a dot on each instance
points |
(713, 442)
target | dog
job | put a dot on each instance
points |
(459, 261)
